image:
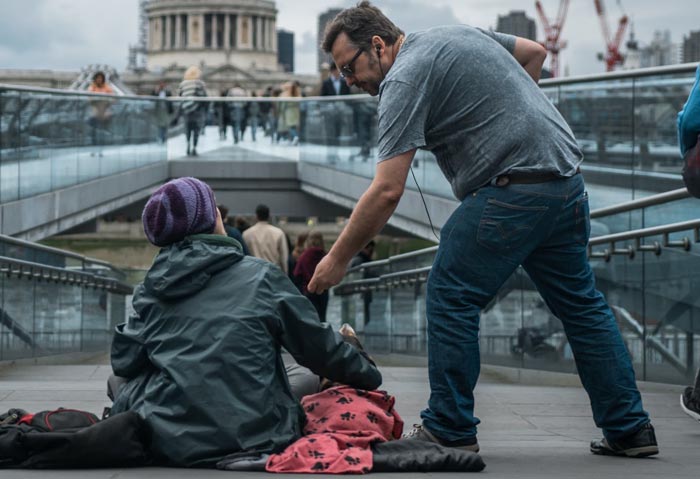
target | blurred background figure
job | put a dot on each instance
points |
(100, 117)
(266, 241)
(304, 271)
(163, 111)
(223, 116)
(298, 249)
(253, 116)
(365, 256)
(232, 231)
(193, 111)
(237, 112)
(334, 85)
(288, 113)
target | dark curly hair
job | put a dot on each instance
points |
(360, 24)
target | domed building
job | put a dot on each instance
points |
(233, 42)
(215, 33)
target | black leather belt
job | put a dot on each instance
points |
(528, 178)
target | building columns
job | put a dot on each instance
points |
(178, 32)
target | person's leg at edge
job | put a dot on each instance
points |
(696, 386)
(464, 278)
(560, 269)
(302, 381)
(188, 133)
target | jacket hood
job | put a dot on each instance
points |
(184, 268)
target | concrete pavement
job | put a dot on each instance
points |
(527, 431)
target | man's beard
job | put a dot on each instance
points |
(371, 86)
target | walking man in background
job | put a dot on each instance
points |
(471, 97)
(266, 241)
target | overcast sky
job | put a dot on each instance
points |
(69, 34)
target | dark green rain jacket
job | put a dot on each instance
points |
(204, 353)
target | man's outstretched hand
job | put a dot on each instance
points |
(328, 273)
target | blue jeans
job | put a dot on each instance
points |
(545, 227)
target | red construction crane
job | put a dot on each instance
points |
(612, 56)
(552, 31)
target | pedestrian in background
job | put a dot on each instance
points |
(101, 114)
(191, 110)
(163, 110)
(304, 271)
(267, 241)
(232, 231)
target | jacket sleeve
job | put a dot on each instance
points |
(315, 345)
(129, 356)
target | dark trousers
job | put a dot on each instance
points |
(545, 228)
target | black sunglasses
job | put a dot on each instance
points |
(347, 70)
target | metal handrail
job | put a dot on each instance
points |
(621, 75)
(49, 249)
(419, 275)
(27, 269)
(616, 75)
(646, 232)
(654, 200)
(56, 91)
(176, 99)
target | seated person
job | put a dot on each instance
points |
(202, 355)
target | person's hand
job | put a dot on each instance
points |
(328, 273)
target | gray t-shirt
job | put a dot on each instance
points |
(458, 92)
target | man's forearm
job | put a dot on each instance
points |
(369, 216)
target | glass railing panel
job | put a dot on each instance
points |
(17, 318)
(672, 315)
(618, 223)
(10, 144)
(52, 140)
(116, 312)
(95, 331)
(658, 99)
(64, 140)
(409, 327)
(57, 318)
(621, 280)
(500, 323)
(377, 331)
(17, 251)
(339, 133)
(672, 212)
(600, 115)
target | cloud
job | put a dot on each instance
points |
(66, 34)
(69, 34)
(306, 44)
(414, 15)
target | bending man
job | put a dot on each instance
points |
(471, 97)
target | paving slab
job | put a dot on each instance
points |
(527, 430)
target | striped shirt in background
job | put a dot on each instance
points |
(191, 88)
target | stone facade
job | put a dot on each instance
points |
(213, 33)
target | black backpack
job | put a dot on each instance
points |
(70, 438)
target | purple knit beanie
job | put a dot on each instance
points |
(179, 208)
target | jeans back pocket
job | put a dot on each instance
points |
(507, 227)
